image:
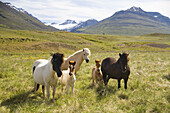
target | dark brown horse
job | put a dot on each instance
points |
(116, 69)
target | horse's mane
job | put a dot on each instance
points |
(87, 51)
(74, 54)
(80, 51)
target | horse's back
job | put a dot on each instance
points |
(39, 61)
(108, 61)
(106, 64)
(39, 68)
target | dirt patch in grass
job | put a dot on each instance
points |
(3, 40)
(159, 45)
(52, 45)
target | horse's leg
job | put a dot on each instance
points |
(54, 88)
(104, 79)
(48, 91)
(68, 87)
(125, 83)
(61, 88)
(38, 85)
(96, 81)
(35, 87)
(107, 80)
(43, 90)
(119, 85)
(73, 89)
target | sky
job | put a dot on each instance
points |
(81, 10)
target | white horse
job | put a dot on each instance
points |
(68, 77)
(44, 73)
(78, 57)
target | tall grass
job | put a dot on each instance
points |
(148, 87)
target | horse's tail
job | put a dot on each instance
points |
(37, 84)
(34, 69)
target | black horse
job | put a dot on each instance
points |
(116, 69)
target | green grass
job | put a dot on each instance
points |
(148, 86)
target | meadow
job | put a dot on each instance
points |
(148, 86)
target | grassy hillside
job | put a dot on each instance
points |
(13, 19)
(148, 85)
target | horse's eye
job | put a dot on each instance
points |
(84, 54)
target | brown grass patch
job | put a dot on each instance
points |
(159, 45)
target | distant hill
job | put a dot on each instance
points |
(17, 18)
(87, 23)
(133, 21)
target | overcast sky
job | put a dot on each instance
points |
(81, 10)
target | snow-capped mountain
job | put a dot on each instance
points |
(20, 10)
(137, 9)
(66, 26)
(68, 22)
(72, 25)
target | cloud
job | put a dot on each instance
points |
(60, 10)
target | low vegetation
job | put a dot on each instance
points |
(148, 85)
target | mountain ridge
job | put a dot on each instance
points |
(133, 21)
(17, 18)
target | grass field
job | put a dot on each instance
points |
(148, 86)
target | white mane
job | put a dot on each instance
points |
(87, 51)
(80, 51)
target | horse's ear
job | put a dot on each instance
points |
(74, 62)
(70, 62)
(62, 55)
(97, 60)
(120, 54)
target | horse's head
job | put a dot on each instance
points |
(86, 54)
(98, 64)
(124, 61)
(71, 67)
(57, 60)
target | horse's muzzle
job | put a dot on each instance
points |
(87, 60)
(70, 74)
(98, 70)
(59, 73)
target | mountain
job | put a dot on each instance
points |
(89, 22)
(68, 22)
(72, 25)
(18, 18)
(133, 21)
(66, 26)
